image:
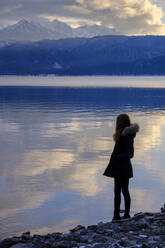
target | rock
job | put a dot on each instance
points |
(163, 208)
(139, 246)
(116, 245)
(6, 243)
(143, 236)
(153, 244)
(144, 230)
(100, 223)
(98, 245)
(26, 236)
(20, 245)
(61, 244)
(47, 243)
(83, 232)
(100, 230)
(77, 228)
(66, 236)
(92, 228)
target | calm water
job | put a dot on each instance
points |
(55, 143)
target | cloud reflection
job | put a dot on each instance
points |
(53, 153)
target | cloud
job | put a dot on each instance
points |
(78, 9)
(127, 16)
(139, 196)
(11, 8)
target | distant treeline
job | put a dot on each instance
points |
(102, 55)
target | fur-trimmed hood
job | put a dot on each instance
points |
(132, 129)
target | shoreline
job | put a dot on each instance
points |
(143, 230)
(146, 81)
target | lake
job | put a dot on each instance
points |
(56, 140)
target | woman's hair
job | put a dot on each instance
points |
(122, 121)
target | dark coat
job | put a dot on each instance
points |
(120, 160)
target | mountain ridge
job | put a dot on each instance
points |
(33, 31)
(101, 55)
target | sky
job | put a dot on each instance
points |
(131, 17)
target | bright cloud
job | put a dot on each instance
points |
(128, 16)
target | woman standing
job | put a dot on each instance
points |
(120, 167)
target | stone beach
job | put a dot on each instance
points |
(143, 230)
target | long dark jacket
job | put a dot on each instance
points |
(120, 160)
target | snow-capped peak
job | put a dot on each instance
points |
(94, 30)
(25, 30)
(33, 31)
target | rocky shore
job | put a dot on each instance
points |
(143, 230)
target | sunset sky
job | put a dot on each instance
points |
(127, 16)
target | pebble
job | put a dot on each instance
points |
(143, 230)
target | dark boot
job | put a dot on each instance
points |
(126, 216)
(116, 216)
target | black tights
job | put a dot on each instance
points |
(121, 185)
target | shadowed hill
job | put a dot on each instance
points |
(104, 55)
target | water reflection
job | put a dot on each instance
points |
(55, 144)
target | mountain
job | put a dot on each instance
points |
(64, 30)
(102, 55)
(94, 30)
(32, 31)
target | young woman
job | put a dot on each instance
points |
(120, 167)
